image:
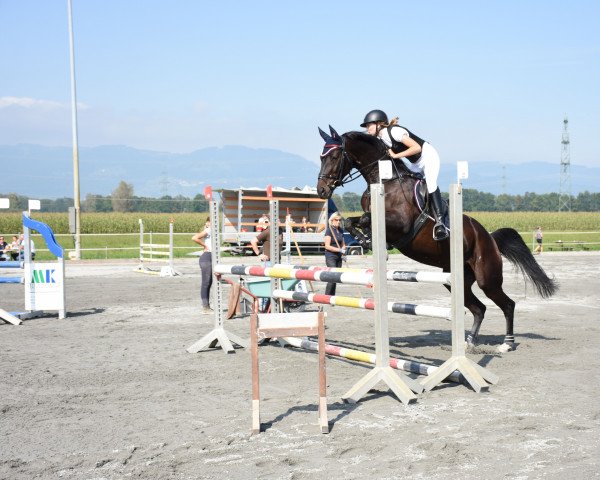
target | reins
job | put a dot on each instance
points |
(339, 180)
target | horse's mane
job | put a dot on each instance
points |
(375, 143)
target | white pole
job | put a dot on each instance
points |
(171, 248)
(403, 387)
(76, 193)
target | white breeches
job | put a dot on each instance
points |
(428, 165)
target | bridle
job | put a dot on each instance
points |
(339, 180)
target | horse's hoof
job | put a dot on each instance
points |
(506, 347)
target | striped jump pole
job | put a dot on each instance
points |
(364, 303)
(395, 275)
(326, 269)
(359, 356)
(351, 278)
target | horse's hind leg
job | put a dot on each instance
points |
(507, 305)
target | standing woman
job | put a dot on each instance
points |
(334, 247)
(539, 238)
(418, 155)
(203, 239)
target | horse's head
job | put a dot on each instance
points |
(343, 153)
(335, 164)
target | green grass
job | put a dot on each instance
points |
(119, 246)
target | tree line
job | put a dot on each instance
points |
(476, 201)
(123, 199)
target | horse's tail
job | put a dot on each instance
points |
(512, 246)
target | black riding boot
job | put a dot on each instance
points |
(440, 232)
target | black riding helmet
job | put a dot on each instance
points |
(374, 116)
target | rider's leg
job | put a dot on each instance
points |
(431, 168)
(440, 232)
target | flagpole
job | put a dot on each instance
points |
(76, 193)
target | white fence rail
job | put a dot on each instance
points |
(134, 248)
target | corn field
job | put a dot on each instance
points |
(97, 223)
(108, 232)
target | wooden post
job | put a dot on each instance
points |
(255, 374)
(323, 422)
(288, 325)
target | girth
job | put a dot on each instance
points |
(415, 228)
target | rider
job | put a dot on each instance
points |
(418, 155)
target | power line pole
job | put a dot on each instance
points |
(564, 196)
(164, 184)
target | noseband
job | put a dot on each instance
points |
(339, 180)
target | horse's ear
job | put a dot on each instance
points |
(324, 136)
(334, 134)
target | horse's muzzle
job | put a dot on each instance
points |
(324, 190)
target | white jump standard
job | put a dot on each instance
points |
(157, 252)
(402, 385)
(218, 336)
(474, 374)
(44, 282)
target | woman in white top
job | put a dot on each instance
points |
(22, 247)
(203, 239)
(418, 155)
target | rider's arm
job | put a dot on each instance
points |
(412, 147)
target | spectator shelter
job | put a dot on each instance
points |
(244, 207)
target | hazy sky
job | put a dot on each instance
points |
(481, 80)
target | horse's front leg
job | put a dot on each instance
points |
(477, 308)
(474, 305)
(356, 227)
(364, 224)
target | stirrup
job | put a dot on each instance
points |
(440, 234)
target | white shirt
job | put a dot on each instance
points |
(398, 133)
(207, 240)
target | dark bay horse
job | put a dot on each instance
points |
(482, 251)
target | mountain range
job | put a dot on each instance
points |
(47, 172)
